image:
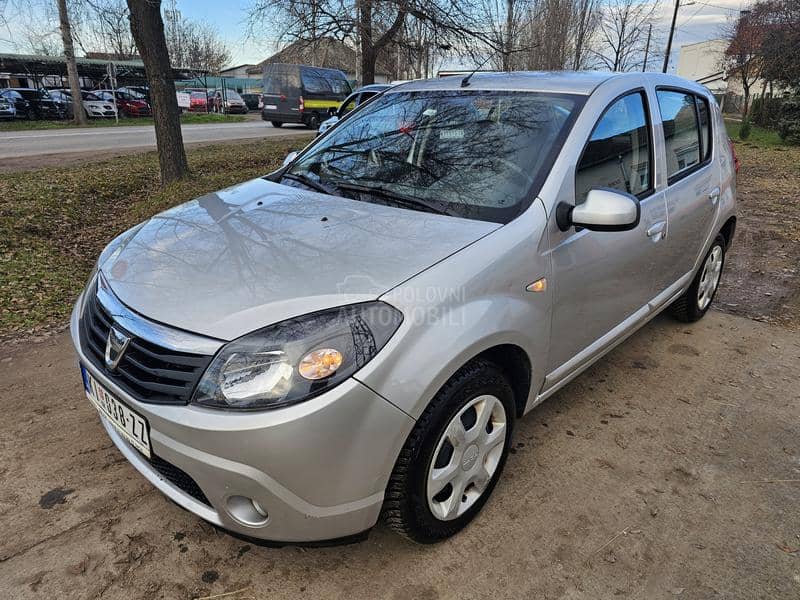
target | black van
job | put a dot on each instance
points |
(301, 94)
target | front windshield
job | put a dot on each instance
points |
(475, 154)
(92, 97)
(233, 96)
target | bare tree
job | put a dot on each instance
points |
(195, 45)
(372, 26)
(743, 55)
(148, 31)
(622, 33)
(72, 65)
(107, 28)
(584, 24)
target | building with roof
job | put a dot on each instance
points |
(704, 62)
(328, 53)
(239, 71)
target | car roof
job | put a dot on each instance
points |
(565, 82)
(373, 87)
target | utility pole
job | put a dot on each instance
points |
(671, 33)
(647, 47)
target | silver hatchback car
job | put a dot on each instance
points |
(355, 334)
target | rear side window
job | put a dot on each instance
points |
(618, 153)
(281, 82)
(681, 131)
(704, 114)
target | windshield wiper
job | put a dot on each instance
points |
(307, 181)
(401, 199)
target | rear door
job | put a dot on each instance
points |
(281, 96)
(693, 182)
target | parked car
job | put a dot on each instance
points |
(7, 109)
(355, 99)
(128, 103)
(450, 255)
(94, 104)
(30, 103)
(251, 100)
(301, 94)
(227, 101)
(64, 101)
(198, 101)
(141, 92)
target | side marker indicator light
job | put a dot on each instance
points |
(539, 285)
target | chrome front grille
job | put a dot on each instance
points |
(147, 371)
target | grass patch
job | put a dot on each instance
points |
(758, 135)
(54, 222)
(186, 119)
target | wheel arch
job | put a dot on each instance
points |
(728, 230)
(516, 366)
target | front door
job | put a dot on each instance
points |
(603, 280)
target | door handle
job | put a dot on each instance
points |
(713, 195)
(657, 230)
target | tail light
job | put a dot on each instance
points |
(735, 158)
(301, 104)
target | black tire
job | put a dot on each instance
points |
(687, 308)
(276, 123)
(405, 507)
(312, 121)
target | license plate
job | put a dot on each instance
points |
(271, 106)
(128, 423)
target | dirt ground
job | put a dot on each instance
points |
(670, 469)
(763, 270)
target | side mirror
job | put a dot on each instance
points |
(290, 157)
(604, 210)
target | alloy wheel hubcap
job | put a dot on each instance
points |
(466, 457)
(709, 280)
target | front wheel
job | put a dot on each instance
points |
(277, 123)
(453, 457)
(695, 302)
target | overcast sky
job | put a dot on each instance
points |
(697, 21)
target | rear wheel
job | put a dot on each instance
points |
(276, 123)
(453, 457)
(312, 121)
(695, 302)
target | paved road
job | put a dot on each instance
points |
(16, 144)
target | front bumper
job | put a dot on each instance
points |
(319, 468)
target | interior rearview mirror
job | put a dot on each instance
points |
(332, 111)
(603, 210)
(290, 157)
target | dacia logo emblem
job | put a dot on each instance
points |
(116, 345)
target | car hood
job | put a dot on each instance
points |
(257, 253)
(98, 104)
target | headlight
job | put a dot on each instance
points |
(296, 359)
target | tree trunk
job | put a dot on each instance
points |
(509, 41)
(148, 32)
(79, 115)
(367, 46)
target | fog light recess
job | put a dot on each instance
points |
(247, 511)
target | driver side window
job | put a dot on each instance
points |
(618, 153)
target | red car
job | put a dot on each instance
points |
(198, 101)
(128, 104)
